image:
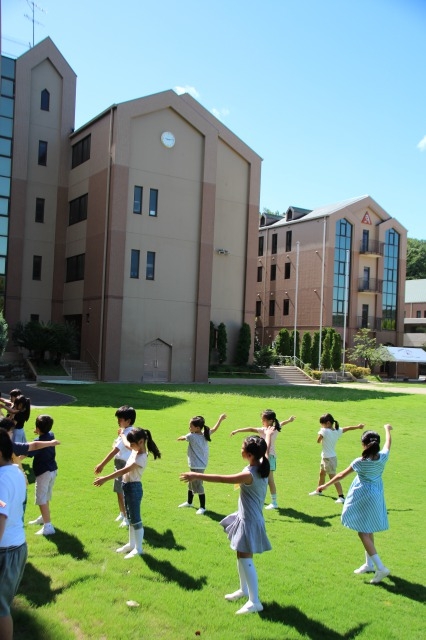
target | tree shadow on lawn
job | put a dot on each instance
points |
(318, 521)
(154, 399)
(66, 543)
(164, 540)
(25, 626)
(36, 586)
(307, 627)
(405, 588)
(171, 574)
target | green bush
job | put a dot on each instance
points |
(357, 372)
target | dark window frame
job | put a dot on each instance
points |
(260, 246)
(274, 245)
(273, 272)
(137, 199)
(81, 151)
(259, 274)
(78, 209)
(135, 256)
(39, 210)
(271, 308)
(45, 100)
(287, 271)
(75, 268)
(42, 153)
(37, 265)
(150, 265)
(286, 307)
(288, 239)
(258, 308)
(153, 203)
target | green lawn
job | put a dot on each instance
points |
(76, 586)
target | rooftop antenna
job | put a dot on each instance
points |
(33, 6)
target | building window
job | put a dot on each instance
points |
(42, 152)
(390, 280)
(343, 242)
(150, 265)
(287, 269)
(260, 246)
(39, 210)
(78, 209)
(45, 100)
(134, 263)
(36, 267)
(274, 243)
(258, 308)
(75, 268)
(259, 274)
(365, 240)
(137, 199)
(418, 314)
(34, 317)
(271, 307)
(286, 306)
(288, 241)
(153, 202)
(273, 272)
(81, 152)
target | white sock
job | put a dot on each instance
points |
(138, 539)
(241, 573)
(379, 564)
(131, 537)
(368, 560)
(251, 578)
(274, 498)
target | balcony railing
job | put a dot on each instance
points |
(370, 284)
(374, 247)
(369, 322)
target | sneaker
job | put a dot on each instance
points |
(200, 511)
(315, 493)
(250, 607)
(46, 530)
(271, 506)
(38, 520)
(119, 518)
(185, 504)
(365, 568)
(239, 593)
(123, 524)
(133, 553)
(379, 575)
(340, 500)
(125, 548)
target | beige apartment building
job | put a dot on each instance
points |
(341, 266)
(140, 227)
(415, 314)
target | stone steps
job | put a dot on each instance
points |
(289, 375)
(79, 370)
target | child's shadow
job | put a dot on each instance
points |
(309, 628)
(319, 521)
(36, 586)
(68, 544)
(404, 588)
(213, 515)
(164, 540)
(171, 574)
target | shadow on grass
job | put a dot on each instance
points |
(171, 574)
(164, 540)
(307, 627)
(401, 587)
(318, 521)
(66, 543)
(213, 515)
(36, 586)
(26, 626)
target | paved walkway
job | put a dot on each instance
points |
(39, 397)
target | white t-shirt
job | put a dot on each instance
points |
(262, 433)
(13, 493)
(135, 474)
(329, 440)
(123, 452)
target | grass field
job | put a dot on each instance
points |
(76, 587)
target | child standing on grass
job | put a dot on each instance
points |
(365, 509)
(45, 470)
(269, 419)
(126, 418)
(20, 413)
(138, 441)
(328, 436)
(246, 527)
(198, 457)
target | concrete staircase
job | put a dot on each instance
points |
(79, 370)
(289, 375)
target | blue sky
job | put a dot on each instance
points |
(330, 93)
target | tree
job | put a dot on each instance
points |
(336, 351)
(222, 341)
(306, 348)
(366, 349)
(264, 358)
(326, 353)
(315, 350)
(3, 334)
(416, 259)
(39, 337)
(243, 345)
(282, 343)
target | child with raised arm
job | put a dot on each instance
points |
(138, 441)
(364, 510)
(20, 413)
(246, 528)
(328, 436)
(269, 419)
(198, 457)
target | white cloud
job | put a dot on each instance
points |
(187, 89)
(422, 144)
(220, 114)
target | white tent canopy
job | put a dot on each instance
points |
(405, 354)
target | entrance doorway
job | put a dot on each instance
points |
(157, 360)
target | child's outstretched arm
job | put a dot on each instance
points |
(116, 474)
(37, 444)
(336, 478)
(290, 419)
(245, 430)
(388, 428)
(217, 425)
(358, 426)
(105, 461)
(181, 438)
(244, 477)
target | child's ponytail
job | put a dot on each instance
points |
(271, 416)
(371, 442)
(258, 447)
(198, 421)
(327, 417)
(151, 446)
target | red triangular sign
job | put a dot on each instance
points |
(366, 219)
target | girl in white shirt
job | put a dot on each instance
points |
(139, 441)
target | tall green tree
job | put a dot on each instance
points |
(416, 259)
(315, 350)
(282, 343)
(306, 350)
(326, 353)
(336, 351)
(365, 350)
(243, 345)
(222, 342)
